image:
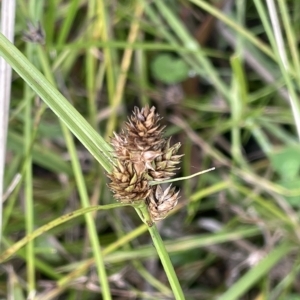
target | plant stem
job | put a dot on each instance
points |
(162, 253)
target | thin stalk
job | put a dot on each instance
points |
(284, 64)
(166, 262)
(7, 28)
(141, 70)
(181, 178)
(28, 182)
(29, 210)
(22, 170)
(108, 53)
(291, 37)
(90, 65)
(67, 22)
(125, 64)
(149, 279)
(276, 40)
(239, 92)
(162, 253)
(92, 230)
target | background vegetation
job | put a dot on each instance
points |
(225, 76)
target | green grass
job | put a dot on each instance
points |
(235, 231)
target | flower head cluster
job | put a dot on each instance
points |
(143, 155)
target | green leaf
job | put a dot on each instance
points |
(48, 249)
(291, 184)
(169, 69)
(286, 162)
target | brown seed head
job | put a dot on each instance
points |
(142, 154)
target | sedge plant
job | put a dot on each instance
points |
(138, 161)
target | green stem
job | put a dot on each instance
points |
(162, 253)
(28, 189)
(91, 225)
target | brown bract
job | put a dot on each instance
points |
(143, 155)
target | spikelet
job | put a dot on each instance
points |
(143, 130)
(161, 202)
(141, 160)
(126, 185)
(165, 164)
